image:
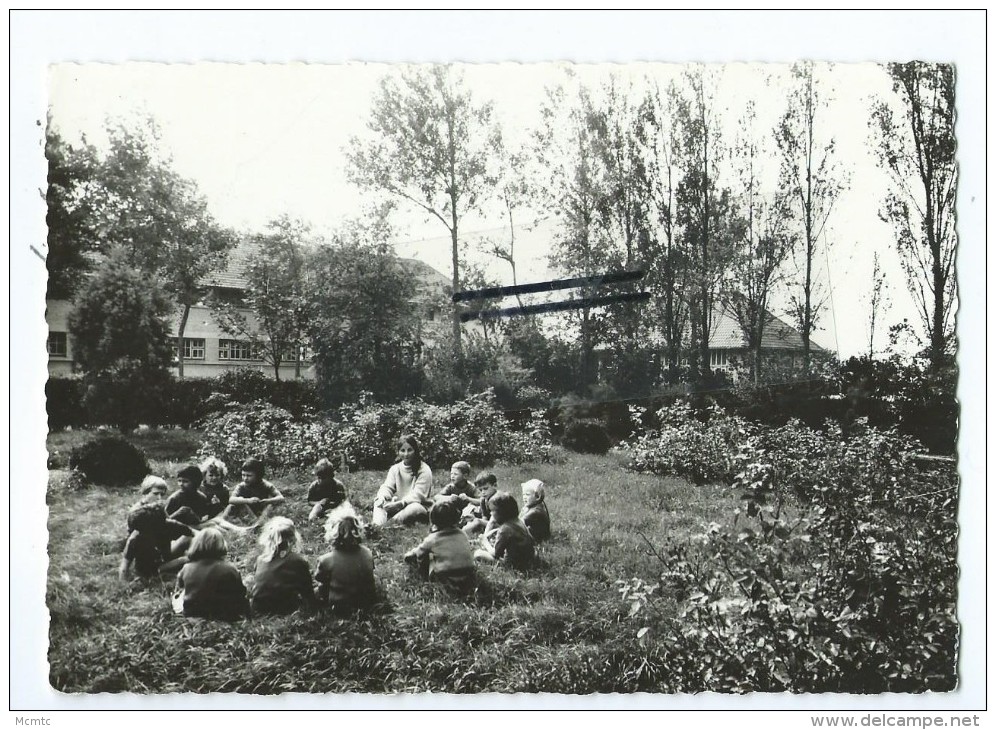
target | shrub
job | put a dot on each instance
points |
(700, 449)
(64, 403)
(365, 434)
(586, 436)
(109, 460)
(126, 395)
(855, 594)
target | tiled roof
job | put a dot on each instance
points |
(232, 276)
(778, 335)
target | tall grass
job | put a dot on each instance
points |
(560, 627)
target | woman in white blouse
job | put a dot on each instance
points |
(403, 498)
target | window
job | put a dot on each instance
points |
(235, 350)
(719, 358)
(193, 348)
(58, 344)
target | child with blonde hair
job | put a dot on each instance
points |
(346, 574)
(153, 489)
(535, 515)
(283, 576)
(213, 486)
(208, 586)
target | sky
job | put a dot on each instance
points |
(259, 133)
(263, 140)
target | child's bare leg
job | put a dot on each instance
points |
(316, 512)
(484, 556)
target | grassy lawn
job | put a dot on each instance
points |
(559, 628)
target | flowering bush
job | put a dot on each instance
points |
(686, 446)
(365, 434)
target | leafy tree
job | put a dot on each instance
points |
(274, 295)
(703, 208)
(133, 200)
(916, 146)
(811, 174)
(364, 320)
(71, 231)
(668, 277)
(121, 339)
(623, 219)
(161, 218)
(760, 250)
(431, 145)
(573, 190)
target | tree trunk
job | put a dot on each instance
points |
(179, 339)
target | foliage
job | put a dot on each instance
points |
(126, 394)
(274, 294)
(132, 202)
(432, 145)
(119, 330)
(364, 434)
(586, 436)
(72, 235)
(811, 174)
(855, 593)
(64, 403)
(109, 460)
(916, 147)
(699, 449)
(119, 314)
(364, 321)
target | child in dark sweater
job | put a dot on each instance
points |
(150, 536)
(445, 555)
(346, 574)
(511, 544)
(208, 586)
(460, 491)
(326, 492)
(283, 576)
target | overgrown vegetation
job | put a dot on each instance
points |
(819, 562)
(837, 573)
(364, 434)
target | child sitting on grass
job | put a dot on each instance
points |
(283, 576)
(445, 555)
(151, 534)
(208, 586)
(213, 486)
(460, 491)
(535, 515)
(188, 505)
(253, 498)
(326, 492)
(479, 521)
(511, 544)
(153, 489)
(346, 574)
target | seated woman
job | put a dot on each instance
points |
(403, 498)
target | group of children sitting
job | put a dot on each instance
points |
(184, 534)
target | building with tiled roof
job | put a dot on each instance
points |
(208, 350)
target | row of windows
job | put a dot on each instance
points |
(193, 349)
(237, 350)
